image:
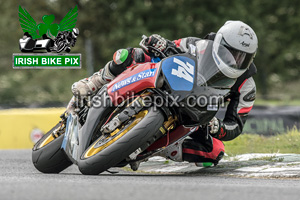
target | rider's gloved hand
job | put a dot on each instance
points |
(157, 42)
(214, 126)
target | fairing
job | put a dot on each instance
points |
(184, 76)
(133, 80)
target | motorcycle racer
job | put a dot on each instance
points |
(240, 40)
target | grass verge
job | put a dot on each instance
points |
(270, 102)
(251, 143)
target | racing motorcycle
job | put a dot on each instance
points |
(121, 129)
(65, 40)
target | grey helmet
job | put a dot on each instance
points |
(75, 32)
(240, 39)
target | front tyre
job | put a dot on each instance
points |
(108, 151)
(47, 155)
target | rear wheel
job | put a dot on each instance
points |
(109, 150)
(47, 155)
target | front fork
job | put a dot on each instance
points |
(61, 129)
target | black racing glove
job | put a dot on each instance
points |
(157, 42)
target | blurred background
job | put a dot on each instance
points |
(107, 25)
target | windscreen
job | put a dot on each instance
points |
(208, 72)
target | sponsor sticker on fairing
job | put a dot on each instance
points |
(132, 79)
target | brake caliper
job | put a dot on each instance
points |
(61, 129)
(132, 109)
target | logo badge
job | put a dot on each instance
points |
(245, 31)
(47, 44)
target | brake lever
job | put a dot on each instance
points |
(142, 43)
(157, 52)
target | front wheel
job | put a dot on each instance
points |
(47, 155)
(108, 151)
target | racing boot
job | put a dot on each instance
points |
(204, 164)
(89, 86)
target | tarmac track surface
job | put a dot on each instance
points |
(20, 180)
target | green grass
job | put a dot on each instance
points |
(251, 143)
(269, 158)
(261, 102)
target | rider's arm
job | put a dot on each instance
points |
(241, 103)
(124, 58)
(187, 44)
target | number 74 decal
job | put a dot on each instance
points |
(185, 70)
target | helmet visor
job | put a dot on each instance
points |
(242, 59)
(224, 58)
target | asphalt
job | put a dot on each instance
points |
(20, 180)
